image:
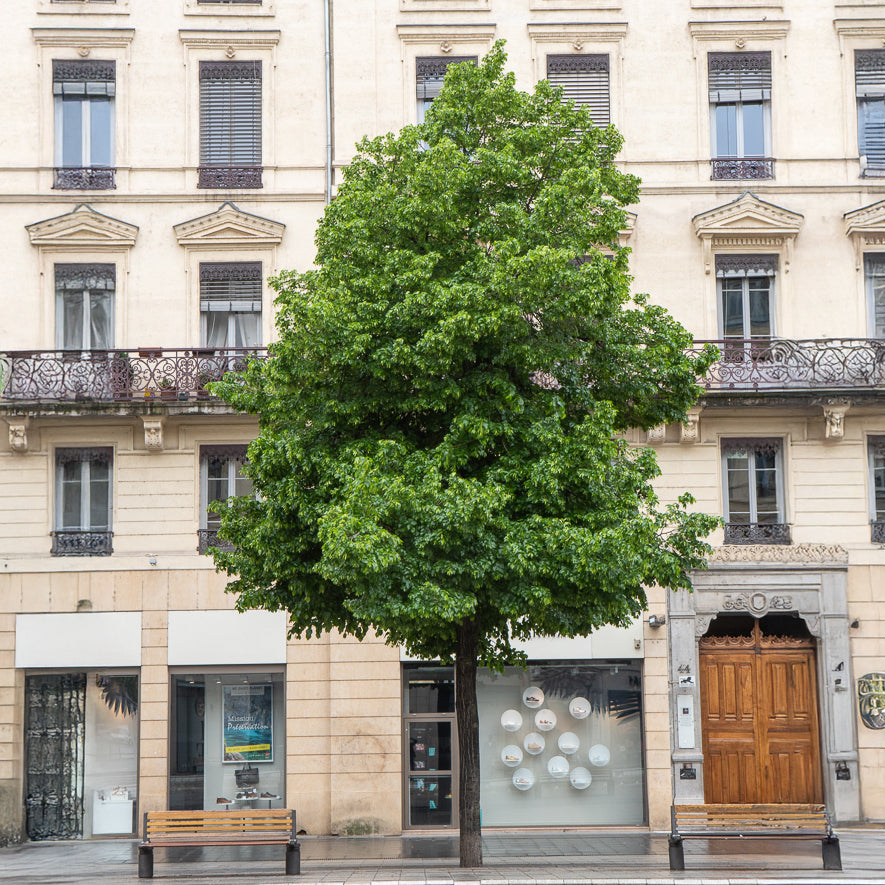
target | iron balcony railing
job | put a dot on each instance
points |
(780, 364)
(758, 364)
(118, 375)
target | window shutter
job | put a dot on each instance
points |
(84, 77)
(584, 79)
(231, 286)
(739, 76)
(869, 80)
(869, 73)
(430, 72)
(230, 113)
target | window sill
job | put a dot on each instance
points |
(741, 169)
(68, 542)
(757, 533)
(85, 178)
(229, 177)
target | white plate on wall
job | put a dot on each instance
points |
(599, 755)
(568, 742)
(580, 778)
(511, 720)
(558, 767)
(579, 708)
(523, 779)
(534, 743)
(511, 755)
(533, 697)
(545, 720)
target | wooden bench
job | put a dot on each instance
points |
(173, 829)
(753, 822)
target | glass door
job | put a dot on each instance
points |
(430, 746)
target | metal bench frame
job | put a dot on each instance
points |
(753, 822)
(173, 829)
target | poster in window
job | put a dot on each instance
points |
(247, 723)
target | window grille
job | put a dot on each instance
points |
(584, 79)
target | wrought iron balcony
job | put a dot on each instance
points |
(224, 177)
(877, 531)
(786, 365)
(740, 169)
(74, 542)
(209, 538)
(757, 533)
(84, 178)
(117, 375)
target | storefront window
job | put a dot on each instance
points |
(228, 741)
(561, 744)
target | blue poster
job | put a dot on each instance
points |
(247, 723)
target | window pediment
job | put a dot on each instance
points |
(229, 225)
(747, 224)
(866, 227)
(82, 227)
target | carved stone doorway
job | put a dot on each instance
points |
(759, 711)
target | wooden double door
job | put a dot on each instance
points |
(759, 719)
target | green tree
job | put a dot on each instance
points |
(440, 459)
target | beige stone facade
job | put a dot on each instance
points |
(129, 185)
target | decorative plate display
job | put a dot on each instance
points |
(534, 743)
(579, 708)
(568, 742)
(511, 720)
(511, 755)
(580, 778)
(558, 767)
(599, 755)
(523, 779)
(533, 697)
(545, 720)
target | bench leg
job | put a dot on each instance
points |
(145, 862)
(832, 854)
(293, 859)
(677, 853)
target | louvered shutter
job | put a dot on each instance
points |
(430, 72)
(739, 76)
(230, 113)
(869, 78)
(584, 79)
(231, 286)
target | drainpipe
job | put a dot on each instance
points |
(327, 30)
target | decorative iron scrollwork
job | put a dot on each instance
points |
(732, 169)
(757, 533)
(85, 178)
(209, 538)
(68, 542)
(224, 177)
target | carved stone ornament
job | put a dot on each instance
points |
(578, 45)
(445, 46)
(84, 52)
(793, 553)
(834, 415)
(18, 434)
(871, 699)
(656, 434)
(690, 430)
(756, 604)
(740, 43)
(230, 52)
(153, 433)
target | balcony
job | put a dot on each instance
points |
(734, 169)
(84, 178)
(207, 538)
(117, 376)
(757, 533)
(76, 542)
(765, 364)
(228, 177)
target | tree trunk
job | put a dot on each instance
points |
(468, 745)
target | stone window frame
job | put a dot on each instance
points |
(740, 36)
(83, 7)
(230, 9)
(214, 45)
(605, 38)
(577, 5)
(76, 44)
(444, 5)
(421, 41)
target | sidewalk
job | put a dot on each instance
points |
(523, 858)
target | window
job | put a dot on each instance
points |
(430, 73)
(230, 304)
(230, 124)
(754, 512)
(84, 306)
(877, 488)
(84, 124)
(874, 276)
(584, 79)
(82, 502)
(869, 79)
(746, 300)
(229, 2)
(221, 477)
(740, 114)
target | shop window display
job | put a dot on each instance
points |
(561, 744)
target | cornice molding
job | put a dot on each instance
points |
(750, 29)
(813, 554)
(592, 32)
(83, 226)
(117, 38)
(229, 226)
(446, 34)
(214, 39)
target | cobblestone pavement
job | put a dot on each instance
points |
(512, 858)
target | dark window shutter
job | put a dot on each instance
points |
(584, 79)
(230, 286)
(739, 76)
(430, 72)
(230, 113)
(869, 81)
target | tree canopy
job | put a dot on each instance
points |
(441, 457)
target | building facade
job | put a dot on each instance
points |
(160, 161)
